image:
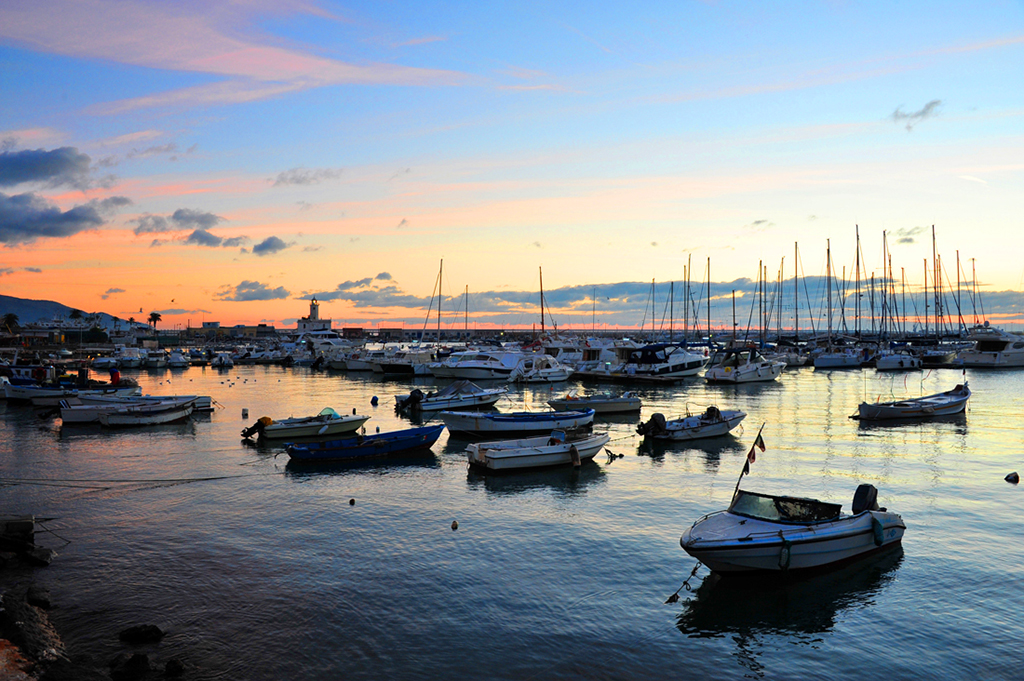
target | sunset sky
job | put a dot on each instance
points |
(225, 161)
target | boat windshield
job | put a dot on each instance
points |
(783, 509)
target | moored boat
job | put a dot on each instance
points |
(458, 395)
(711, 423)
(77, 414)
(742, 365)
(327, 422)
(761, 533)
(365, 446)
(535, 452)
(601, 403)
(146, 414)
(484, 424)
(940, 404)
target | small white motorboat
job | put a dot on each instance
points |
(327, 422)
(742, 365)
(601, 403)
(540, 368)
(146, 414)
(712, 423)
(491, 424)
(940, 404)
(897, 360)
(535, 452)
(459, 395)
(772, 534)
(77, 414)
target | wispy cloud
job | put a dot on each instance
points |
(179, 38)
(111, 291)
(927, 111)
(201, 237)
(269, 246)
(305, 176)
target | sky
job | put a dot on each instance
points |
(227, 161)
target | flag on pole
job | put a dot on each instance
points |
(759, 442)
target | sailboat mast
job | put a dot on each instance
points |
(467, 310)
(856, 259)
(796, 291)
(709, 304)
(686, 300)
(671, 311)
(828, 276)
(541, 270)
(440, 272)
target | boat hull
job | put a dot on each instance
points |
(610, 405)
(484, 424)
(365, 447)
(760, 373)
(941, 404)
(768, 547)
(314, 427)
(533, 453)
(145, 416)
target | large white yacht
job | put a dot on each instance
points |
(993, 348)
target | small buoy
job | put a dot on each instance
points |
(353, 411)
(351, 502)
(455, 524)
(373, 400)
(1013, 477)
(245, 413)
(378, 429)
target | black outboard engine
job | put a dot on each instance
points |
(317, 363)
(655, 425)
(865, 499)
(410, 402)
(257, 428)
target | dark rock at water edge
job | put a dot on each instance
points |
(126, 667)
(174, 668)
(38, 596)
(142, 633)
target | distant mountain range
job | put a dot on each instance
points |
(36, 311)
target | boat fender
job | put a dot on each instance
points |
(574, 454)
(1012, 477)
(877, 530)
(785, 554)
(373, 400)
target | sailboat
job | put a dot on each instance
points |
(834, 358)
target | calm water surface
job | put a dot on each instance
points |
(258, 570)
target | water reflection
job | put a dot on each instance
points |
(710, 449)
(957, 423)
(796, 606)
(564, 481)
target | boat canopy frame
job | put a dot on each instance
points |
(783, 509)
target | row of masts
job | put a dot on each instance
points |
(887, 307)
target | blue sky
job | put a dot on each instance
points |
(329, 142)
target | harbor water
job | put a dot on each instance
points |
(258, 569)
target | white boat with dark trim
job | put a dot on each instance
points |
(761, 533)
(540, 368)
(940, 404)
(457, 395)
(493, 424)
(535, 452)
(712, 423)
(742, 365)
(662, 360)
(601, 403)
(327, 422)
(146, 415)
(77, 414)
(897, 360)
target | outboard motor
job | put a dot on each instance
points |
(655, 425)
(257, 428)
(410, 402)
(865, 499)
(317, 363)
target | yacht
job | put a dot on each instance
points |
(993, 348)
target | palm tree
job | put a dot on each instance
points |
(10, 322)
(154, 317)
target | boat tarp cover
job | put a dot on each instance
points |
(784, 509)
(462, 387)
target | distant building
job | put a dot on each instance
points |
(313, 321)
